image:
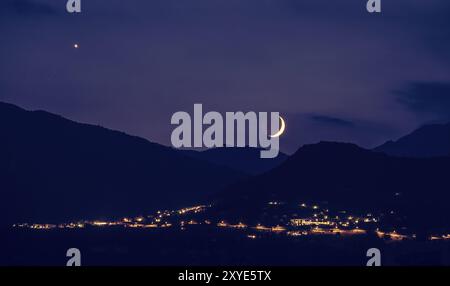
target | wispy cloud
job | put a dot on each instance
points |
(431, 98)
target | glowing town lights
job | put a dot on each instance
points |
(440, 237)
(222, 224)
(150, 226)
(315, 221)
(278, 228)
(42, 226)
(396, 236)
(239, 225)
(262, 228)
(379, 233)
(297, 233)
(392, 235)
(139, 225)
(195, 209)
(99, 223)
(318, 230)
(305, 222)
(358, 231)
(134, 225)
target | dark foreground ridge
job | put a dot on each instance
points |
(54, 169)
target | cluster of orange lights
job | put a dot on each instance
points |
(320, 223)
(441, 237)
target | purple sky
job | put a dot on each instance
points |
(334, 71)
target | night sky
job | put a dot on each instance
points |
(333, 71)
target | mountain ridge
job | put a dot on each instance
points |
(431, 140)
(57, 169)
(346, 176)
(246, 160)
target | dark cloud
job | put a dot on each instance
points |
(429, 98)
(336, 122)
(28, 7)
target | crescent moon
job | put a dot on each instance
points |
(282, 128)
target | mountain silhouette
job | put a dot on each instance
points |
(427, 141)
(54, 169)
(246, 160)
(346, 176)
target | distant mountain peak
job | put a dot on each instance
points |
(329, 147)
(245, 159)
(432, 140)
